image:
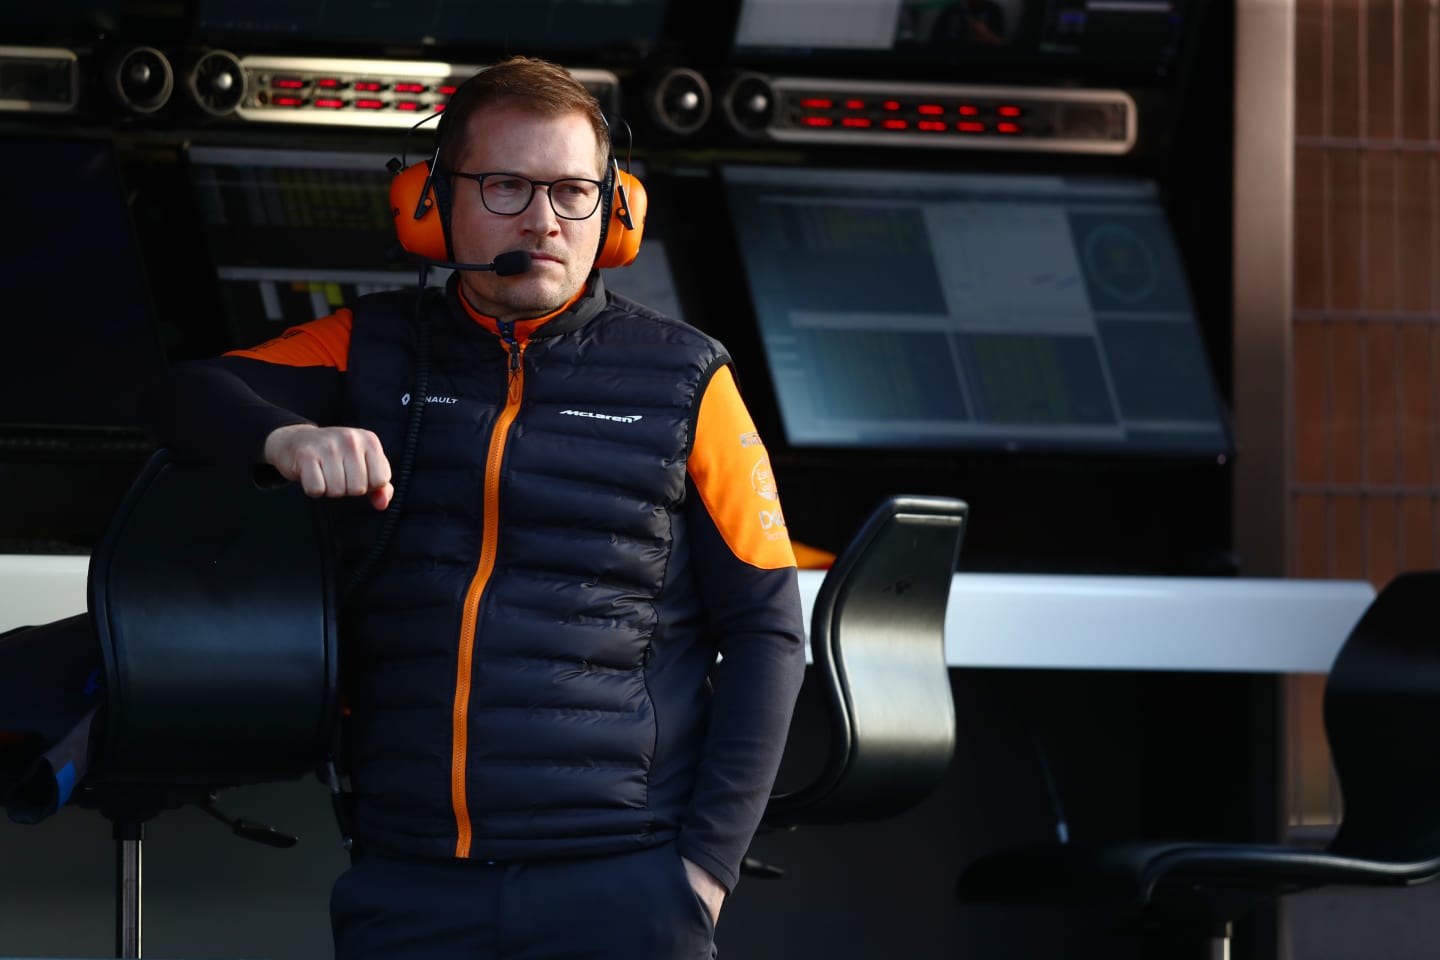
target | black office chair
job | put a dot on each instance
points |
(213, 602)
(877, 640)
(1382, 712)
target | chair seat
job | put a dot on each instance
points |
(878, 639)
(213, 604)
(877, 635)
(1381, 708)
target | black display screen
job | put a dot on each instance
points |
(58, 21)
(81, 341)
(513, 25)
(294, 234)
(1115, 38)
(974, 312)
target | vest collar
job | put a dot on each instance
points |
(572, 316)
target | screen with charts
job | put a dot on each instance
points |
(531, 25)
(974, 312)
(296, 234)
(1141, 36)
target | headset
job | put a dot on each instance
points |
(420, 203)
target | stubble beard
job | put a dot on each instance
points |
(509, 299)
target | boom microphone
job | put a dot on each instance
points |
(508, 264)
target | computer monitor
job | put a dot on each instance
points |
(60, 21)
(81, 341)
(1128, 39)
(296, 234)
(949, 312)
(512, 25)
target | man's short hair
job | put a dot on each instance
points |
(535, 85)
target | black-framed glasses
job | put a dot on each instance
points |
(509, 194)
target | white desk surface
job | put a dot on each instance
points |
(39, 588)
(1001, 620)
(1144, 623)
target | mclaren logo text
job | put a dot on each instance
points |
(631, 418)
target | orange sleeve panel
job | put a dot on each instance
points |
(319, 343)
(731, 471)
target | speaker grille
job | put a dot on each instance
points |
(681, 101)
(217, 82)
(142, 79)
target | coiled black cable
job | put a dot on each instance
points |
(401, 477)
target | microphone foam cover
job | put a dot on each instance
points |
(512, 262)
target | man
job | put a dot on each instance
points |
(546, 758)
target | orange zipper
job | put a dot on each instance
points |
(460, 728)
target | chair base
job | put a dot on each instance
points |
(129, 839)
(1188, 941)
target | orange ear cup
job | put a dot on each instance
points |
(424, 237)
(629, 204)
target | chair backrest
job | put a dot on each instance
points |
(213, 602)
(877, 637)
(1382, 720)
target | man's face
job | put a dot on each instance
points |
(511, 140)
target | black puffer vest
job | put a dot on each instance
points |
(527, 666)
